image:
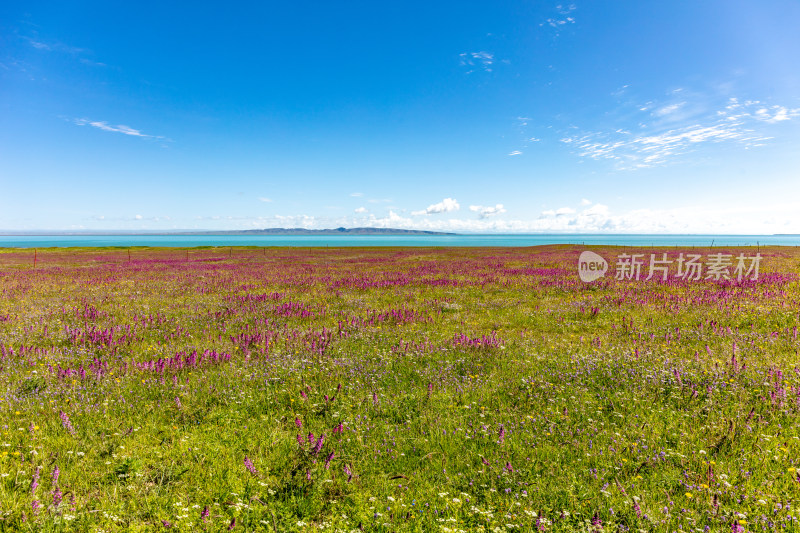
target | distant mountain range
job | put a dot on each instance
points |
(266, 231)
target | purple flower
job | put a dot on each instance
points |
(57, 497)
(328, 460)
(318, 446)
(233, 524)
(249, 465)
(35, 480)
(204, 514)
(502, 434)
(56, 473)
(66, 423)
(298, 423)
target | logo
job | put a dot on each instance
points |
(591, 266)
(688, 267)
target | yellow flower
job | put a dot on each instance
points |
(688, 494)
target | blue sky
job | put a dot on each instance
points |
(461, 116)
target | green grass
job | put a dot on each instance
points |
(637, 417)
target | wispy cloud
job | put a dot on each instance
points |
(757, 110)
(524, 137)
(356, 194)
(668, 109)
(487, 211)
(120, 128)
(264, 199)
(562, 17)
(360, 210)
(665, 131)
(445, 206)
(561, 211)
(54, 46)
(474, 61)
(58, 47)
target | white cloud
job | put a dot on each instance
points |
(445, 206)
(356, 194)
(560, 212)
(361, 210)
(515, 152)
(775, 114)
(743, 219)
(477, 61)
(138, 217)
(586, 202)
(54, 46)
(487, 211)
(264, 199)
(39, 45)
(667, 109)
(121, 128)
(562, 17)
(743, 123)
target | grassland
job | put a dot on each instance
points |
(393, 390)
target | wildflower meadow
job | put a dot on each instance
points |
(393, 389)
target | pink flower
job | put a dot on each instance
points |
(249, 465)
